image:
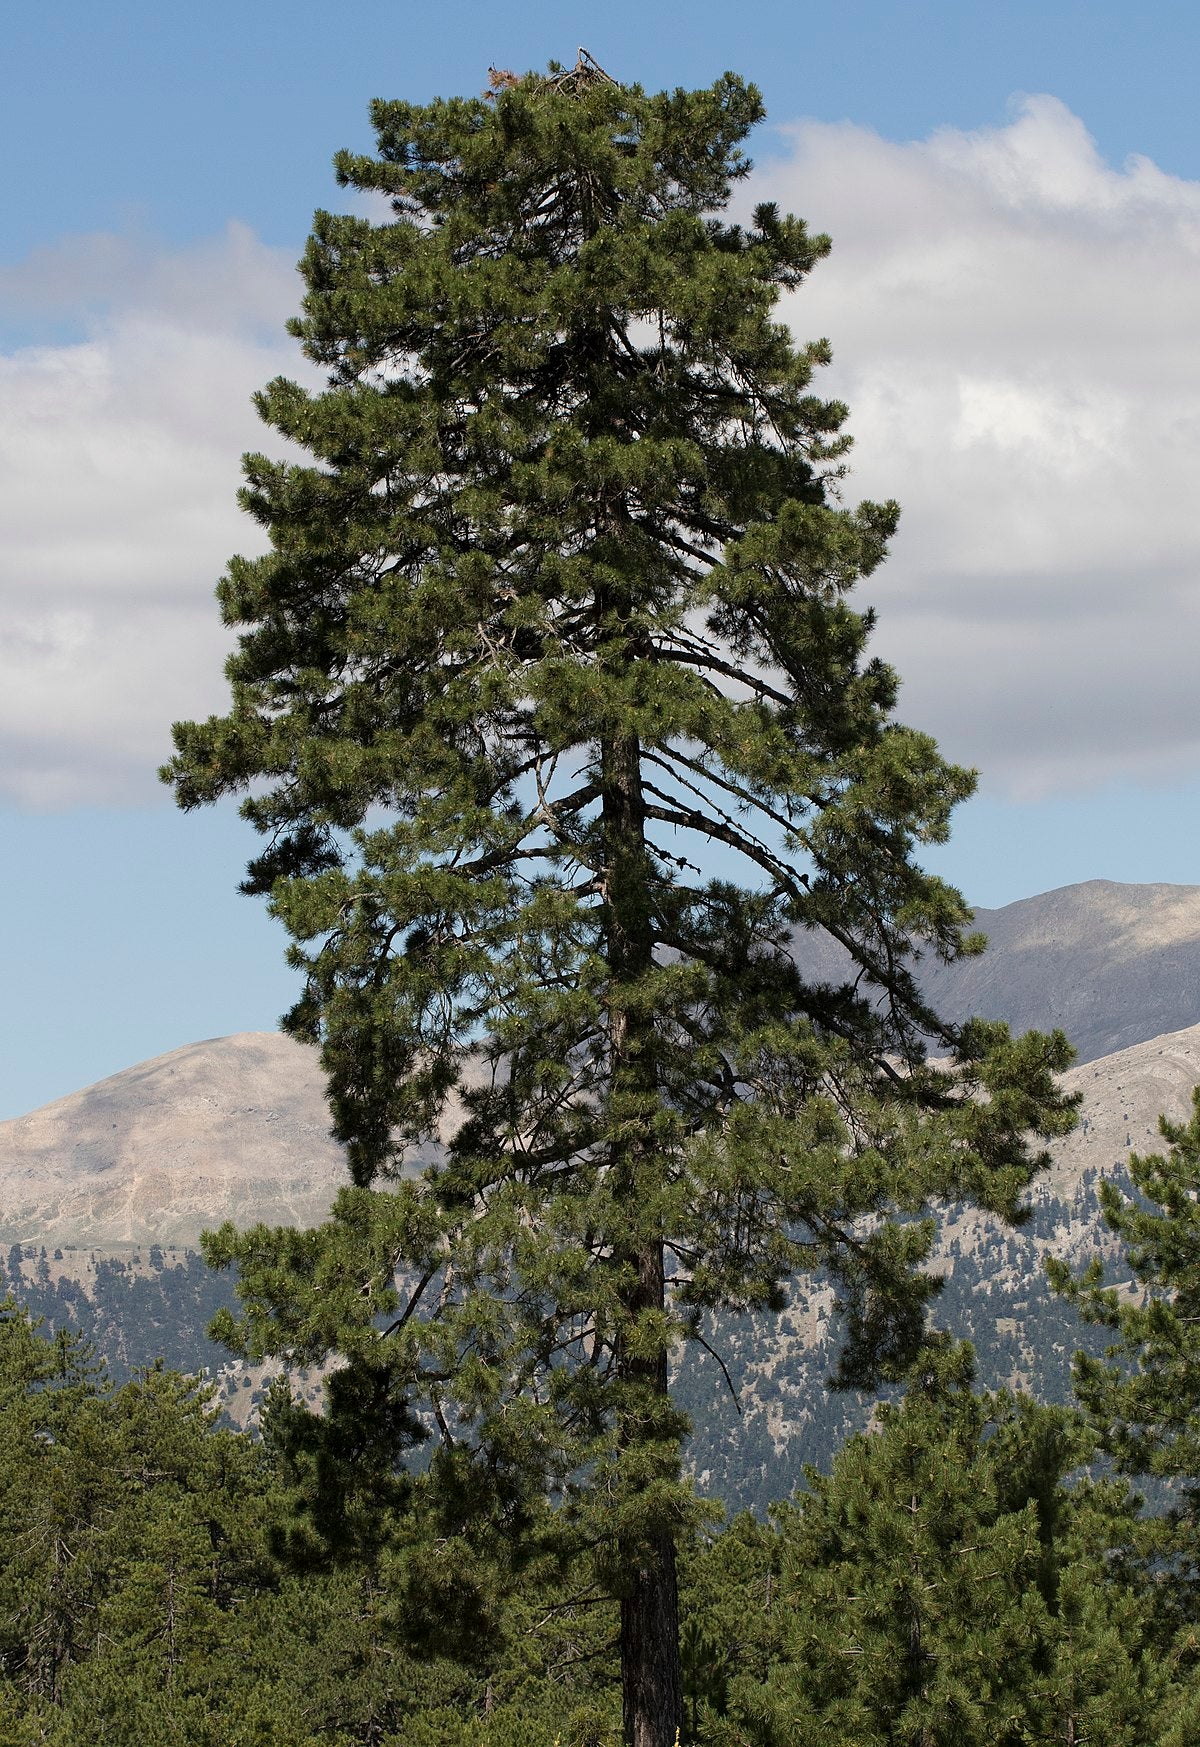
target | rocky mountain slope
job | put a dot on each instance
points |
(237, 1127)
(234, 1128)
(996, 1293)
(96, 1189)
(141, 1299)
(1111, 965)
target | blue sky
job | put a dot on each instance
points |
(1014, 195)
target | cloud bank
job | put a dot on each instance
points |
(120, 459)
(1014, 331)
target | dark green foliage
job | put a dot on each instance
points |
(1144, 1398)
(135, 1318)
(953, 1580)
(142, 1598)
(1150, 1411)
(943, 1586)
(556, 603)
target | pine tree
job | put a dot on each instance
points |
(1144, 1398)
(554, 612)
(54, 1491)
(1151, 1414)
(944, 1586)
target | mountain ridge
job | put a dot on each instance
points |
(230, 1128)
(1110, 964)
(238, 1127)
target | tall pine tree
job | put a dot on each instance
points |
(553, 627)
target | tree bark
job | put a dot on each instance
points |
(651, 1685)
(651, 1695)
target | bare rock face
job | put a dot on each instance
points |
(1122, 1097)
(1111, 965)
(233, 1128)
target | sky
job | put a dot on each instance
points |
(1013, 192)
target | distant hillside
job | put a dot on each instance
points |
(237, 1127)
(1111, 965)
(96, 1189)
(139, 1304)
(996, 1292)
(234, 1128)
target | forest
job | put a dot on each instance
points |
(978, 1567)
(558, 727)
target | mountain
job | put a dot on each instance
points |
(234, 1128)
(1111, 965)
(103, 1194)
(237, 1127)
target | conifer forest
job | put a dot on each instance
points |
(559, 726)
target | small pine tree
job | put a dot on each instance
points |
(944, 1586)
(1150, 1413)
(1144, 1398)
(556, 607)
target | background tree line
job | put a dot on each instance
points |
(975, 1569)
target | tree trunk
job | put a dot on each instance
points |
(651, 1696)
(651, 1685)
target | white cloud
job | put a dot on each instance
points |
(1014, 330)
(120, 459)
